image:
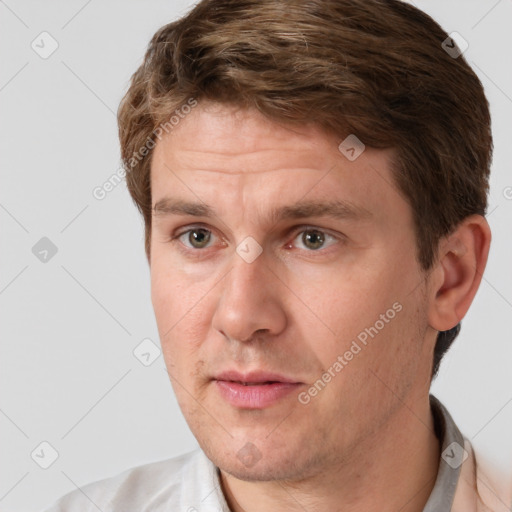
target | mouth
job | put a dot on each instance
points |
(255, 383)
(254, 378)
(255, 390)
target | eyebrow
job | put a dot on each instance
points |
(335, 209)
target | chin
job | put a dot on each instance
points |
(250, 474)
(251, 466)
(261, 472)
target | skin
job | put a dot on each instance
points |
(366, 441)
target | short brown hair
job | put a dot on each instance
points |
(374, 68)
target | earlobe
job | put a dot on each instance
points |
(458, 273)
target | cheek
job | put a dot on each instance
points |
(342, 300)
(371, 319)
(182, 313)
(172, 293)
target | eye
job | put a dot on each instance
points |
(310, 239)
(314, 239)
(197, 237)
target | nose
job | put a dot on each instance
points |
(249, 303)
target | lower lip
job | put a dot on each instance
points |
(254, 397)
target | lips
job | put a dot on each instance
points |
(254, 383)
(254, 378)
(254, 390)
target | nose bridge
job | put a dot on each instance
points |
(246, 283)
(249, 300)
(249, 262)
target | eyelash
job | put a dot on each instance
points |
(296, 232)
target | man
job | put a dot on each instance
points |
(313, 178)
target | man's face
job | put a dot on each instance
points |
(308, 286)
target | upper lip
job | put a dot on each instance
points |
(254, 376)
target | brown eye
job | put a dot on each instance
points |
(198, 237)
(313, 239)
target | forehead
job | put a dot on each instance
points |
(225, 152)
(218, 137)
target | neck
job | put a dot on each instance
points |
(390, 472)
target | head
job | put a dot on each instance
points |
(240, 108)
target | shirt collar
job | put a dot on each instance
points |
(452, 453)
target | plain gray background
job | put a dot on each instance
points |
(68, 375)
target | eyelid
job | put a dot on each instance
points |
(310, 227)
(189, 227)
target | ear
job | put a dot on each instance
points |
(455, 279)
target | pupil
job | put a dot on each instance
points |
(313, 239)
(199, 237)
